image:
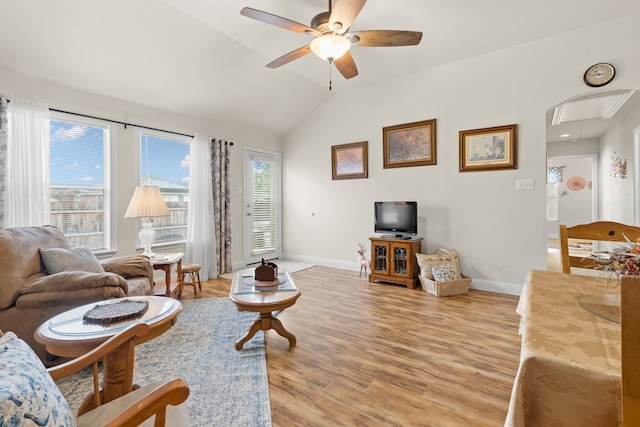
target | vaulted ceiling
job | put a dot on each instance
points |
(202, 58)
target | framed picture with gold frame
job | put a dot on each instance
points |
(409, 144)
(488, 149)
(349, 161)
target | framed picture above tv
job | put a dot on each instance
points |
(409, 144)
(489, 148)
(349, 161)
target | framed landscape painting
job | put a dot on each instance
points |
(349, 161)
(489, 148)
(410, 144)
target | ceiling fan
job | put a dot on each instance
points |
(332, 40)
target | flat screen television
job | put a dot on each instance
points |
(396, 219)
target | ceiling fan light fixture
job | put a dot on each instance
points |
(330, 46)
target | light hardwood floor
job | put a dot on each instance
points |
(383, 355)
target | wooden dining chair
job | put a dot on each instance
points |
(630, 341)
(595, 231)
(29, 390)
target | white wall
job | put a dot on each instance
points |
(126, 150)
(500, 233)
(575, 204)
(616, 193)
(562, 154)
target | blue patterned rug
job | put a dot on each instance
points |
(224, 383)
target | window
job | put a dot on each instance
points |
(263, 236)
(553, 202)
(79, 173)
(164, 162)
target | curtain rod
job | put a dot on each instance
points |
(125, 124)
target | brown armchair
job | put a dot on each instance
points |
(30, 295)
(156, 404)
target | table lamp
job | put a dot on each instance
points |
(147, 202)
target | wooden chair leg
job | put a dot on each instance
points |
(193, 282)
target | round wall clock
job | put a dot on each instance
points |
(599, 74)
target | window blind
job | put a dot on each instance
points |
(264, 208)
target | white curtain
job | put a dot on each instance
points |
(27, 195)
(201, 239)
(4, 136)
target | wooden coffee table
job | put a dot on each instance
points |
(67, 335)
(263, 300)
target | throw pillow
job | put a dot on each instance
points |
(444, 272)
(56, 260)
(29, 396)
(425, 261)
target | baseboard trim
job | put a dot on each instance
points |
(478, 284)
(498, 287)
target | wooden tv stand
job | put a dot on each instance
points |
(394, 260)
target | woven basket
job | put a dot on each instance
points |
(450, 287)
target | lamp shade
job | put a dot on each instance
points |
(330, 46)
(147, 202)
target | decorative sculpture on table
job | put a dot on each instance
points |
(364, 263)
(266, 271)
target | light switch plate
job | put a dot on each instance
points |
(524, 184)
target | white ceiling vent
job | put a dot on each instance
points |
(602, 106)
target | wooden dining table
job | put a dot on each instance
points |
(570, 361)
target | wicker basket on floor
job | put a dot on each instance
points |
(449, 287)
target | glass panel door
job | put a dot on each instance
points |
(262, 206)
(400, 261)
(380, 259)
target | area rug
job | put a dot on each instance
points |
(227, 387)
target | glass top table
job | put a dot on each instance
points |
(606, 306)
(71, 326)
(244, 283)
(264, 298)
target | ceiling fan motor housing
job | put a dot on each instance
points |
(320, 22)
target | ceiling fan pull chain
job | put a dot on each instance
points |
(330, 76)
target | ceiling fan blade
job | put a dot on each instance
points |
(346, 65)
(345, 12)
(291, 56)
(278, 21)
(385, 38)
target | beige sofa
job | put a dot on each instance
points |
(29, 295)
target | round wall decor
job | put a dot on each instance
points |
(576, 183)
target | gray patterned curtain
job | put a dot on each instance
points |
(4, 135)
(221, 176)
